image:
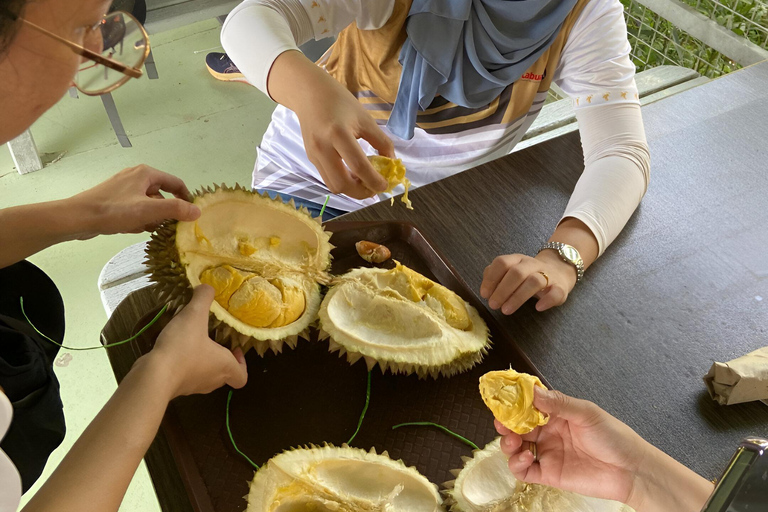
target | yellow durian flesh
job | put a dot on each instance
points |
(257, 302)
(393, 171)
(509, 396)
(324, 479)
(449, 305)
(293, 303)
(485, 484)
(253, 299)
(225, 280)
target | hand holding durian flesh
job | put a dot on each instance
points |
(393, 171)
(509, 396)
(254, 300)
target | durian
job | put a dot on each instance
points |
(332, 479)
(486, 484)
(509, 396)
(402, 321)
(393, 171)
(264, 258)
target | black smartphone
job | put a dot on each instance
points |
(744, 484)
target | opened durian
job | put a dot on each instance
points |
(393, 171)
(486, 484)
(509, 396)
(264, 259)
(331, 479)
(403, 322)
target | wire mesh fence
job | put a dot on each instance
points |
(656, 41)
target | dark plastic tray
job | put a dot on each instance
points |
(309, 395)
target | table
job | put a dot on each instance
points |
(685, 284)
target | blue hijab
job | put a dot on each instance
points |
(469, 51)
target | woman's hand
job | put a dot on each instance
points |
(131, 202)
(191, 360)
(586, 450)
(331, 121)
(509, 281)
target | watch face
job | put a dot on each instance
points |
(570, 253)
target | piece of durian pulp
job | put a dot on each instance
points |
(253, 299)
(419, 289)
(393, 171)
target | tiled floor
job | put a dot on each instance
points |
(185, 123)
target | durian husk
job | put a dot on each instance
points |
(340, 479)
(485, 484)
(296, 250)
(367, 315)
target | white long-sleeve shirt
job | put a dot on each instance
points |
(594, 69)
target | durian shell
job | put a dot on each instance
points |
(485, 484)
(176, 274)
(312, 478)
(427, 347)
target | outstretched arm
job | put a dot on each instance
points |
(97, 470)
(586, 450)
(129, 202)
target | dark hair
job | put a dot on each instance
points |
(10, 11)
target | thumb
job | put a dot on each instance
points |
(171, 208)
(238, 374)
(379, 140)
(559, 405)
(196, 312)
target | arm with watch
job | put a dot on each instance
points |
(615, 178)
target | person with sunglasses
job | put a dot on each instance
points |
(45, 46)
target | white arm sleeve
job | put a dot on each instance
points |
(616, 169)
(256, 32)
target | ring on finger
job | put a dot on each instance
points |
(545, 277)
(534, 451)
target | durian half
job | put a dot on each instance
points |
(486, 484)
(332, 479)
(263, 257)
(402, 321)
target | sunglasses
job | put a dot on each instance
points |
(113, 52)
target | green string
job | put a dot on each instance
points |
(143, 329)
(231, 438)
(324, 205)
(430, 424)
(365, 409)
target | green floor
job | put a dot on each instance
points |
(185, 123)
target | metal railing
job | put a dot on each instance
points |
(658, 41)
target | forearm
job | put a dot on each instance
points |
(97, 470)
(616, 170)
(27, 229)
(290, 73)
(663, 484)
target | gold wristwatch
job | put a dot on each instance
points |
(569, 255)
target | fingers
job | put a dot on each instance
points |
(238, 374)
(159, 180)
(501, 429)
(196, 312)
(510, 444)
(335, 174)
(378, 139)
(530, 286)
(555, 296)
(358, 163)
(559, 405)
(494, 273)
(155, 211)
(523, 466)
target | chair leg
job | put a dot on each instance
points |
(73, 92)
(24, 153)
(114, 118)
(150, 66)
